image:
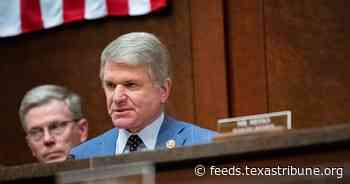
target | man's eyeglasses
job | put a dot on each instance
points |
(55, 129)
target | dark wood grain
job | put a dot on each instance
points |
(208, 53)
(307, 49)
(246, 57)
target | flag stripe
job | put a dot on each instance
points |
(52, 12)
(73, 10)
(10, 19)
(157, 4)
(20, 16)
(117, 7)
(139, 7)
(30, 15)
(95, 9)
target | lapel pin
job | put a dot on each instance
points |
(171, 144)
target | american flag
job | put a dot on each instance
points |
(21, 16)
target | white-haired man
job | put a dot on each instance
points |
(136, 80)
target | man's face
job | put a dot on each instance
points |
(52, 132)
(133, 99)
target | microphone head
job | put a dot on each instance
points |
(70, 157)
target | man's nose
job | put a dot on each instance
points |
(119, 94)
(48, 137)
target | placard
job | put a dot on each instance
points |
(256, 123)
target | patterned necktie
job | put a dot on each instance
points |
(133, 142)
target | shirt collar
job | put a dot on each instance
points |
(146, 134)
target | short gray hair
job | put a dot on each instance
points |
(43, 94)
(139, 48)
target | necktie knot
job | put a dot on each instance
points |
(133, 142)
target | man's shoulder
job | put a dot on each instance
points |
(188, 126)
(196, 130)
(93, 147)
(192, 133)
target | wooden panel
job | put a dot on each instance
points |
(307, 53)
(209, 65)
(69, 55)
(246, 61)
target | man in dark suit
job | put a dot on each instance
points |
(135, 77)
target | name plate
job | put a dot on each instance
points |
(256, 123)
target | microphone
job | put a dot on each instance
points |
(71, 157)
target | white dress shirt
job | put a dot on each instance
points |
(146, 134)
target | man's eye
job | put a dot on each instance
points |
(130, 85)
(34, 132)
(109, 85)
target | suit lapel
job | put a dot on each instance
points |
(170, 130)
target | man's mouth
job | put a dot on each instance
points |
(121, 111)
(53, 155)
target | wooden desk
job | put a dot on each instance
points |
(324, 148)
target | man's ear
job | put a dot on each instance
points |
(165, 90)
(83, 128)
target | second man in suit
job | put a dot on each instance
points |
(53, 121)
